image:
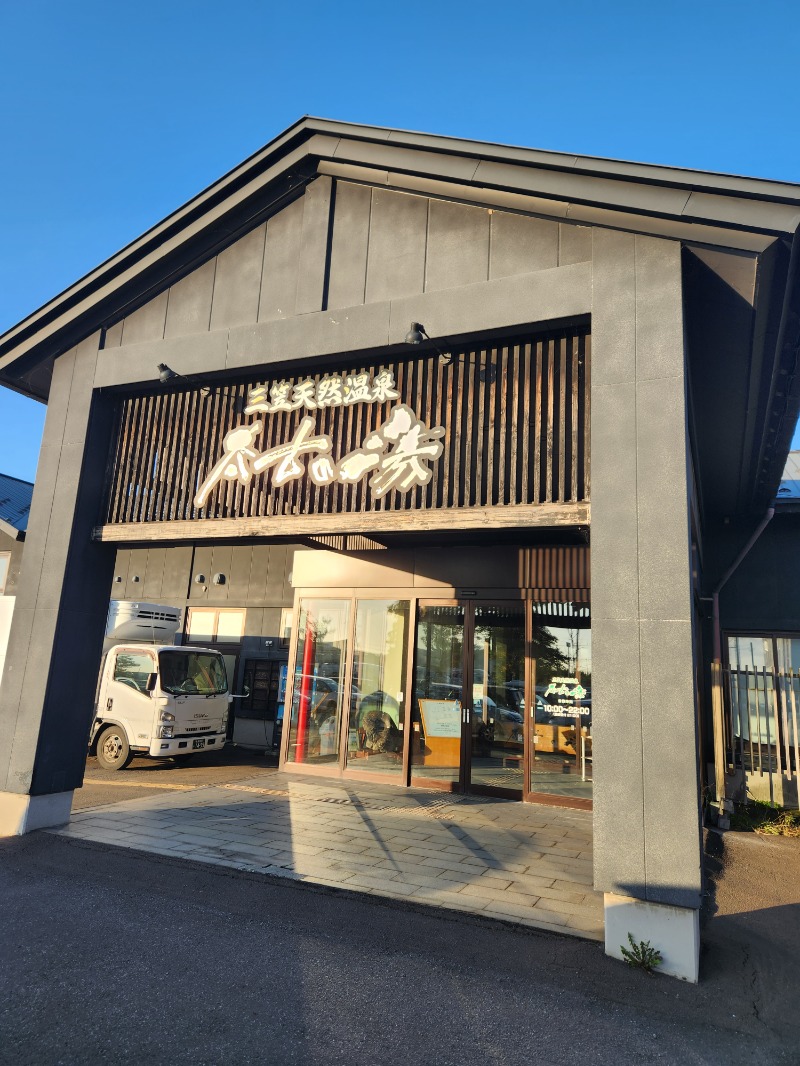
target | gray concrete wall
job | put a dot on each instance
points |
(646, 804)
(50, 675)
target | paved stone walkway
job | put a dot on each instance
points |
(524, 863)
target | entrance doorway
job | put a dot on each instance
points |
(486, 695)
(468, 721)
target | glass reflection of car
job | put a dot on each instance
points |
(318, 688)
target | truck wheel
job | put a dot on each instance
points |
(113, 750)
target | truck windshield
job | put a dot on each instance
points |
(192, 673)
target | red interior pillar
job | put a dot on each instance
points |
(306, 682)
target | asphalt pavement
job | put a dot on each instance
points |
(115, 956)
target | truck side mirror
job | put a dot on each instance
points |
(152, 679)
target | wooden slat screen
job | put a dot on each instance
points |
(517, 435)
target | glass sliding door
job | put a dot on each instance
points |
(438, 708)
(319, 682)
(377, 697)
(496, 741)
(498, 698)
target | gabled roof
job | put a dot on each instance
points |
(715, 209)
(15, 505)
(699, 208)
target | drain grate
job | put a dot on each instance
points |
(424, 806)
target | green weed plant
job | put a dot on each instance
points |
(642, 956)
(766, 819)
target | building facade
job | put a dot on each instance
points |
(388, 393)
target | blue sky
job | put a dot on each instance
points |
(113, 114)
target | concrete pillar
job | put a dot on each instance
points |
(50, 674)
(647, 841)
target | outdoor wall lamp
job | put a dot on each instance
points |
(417, 334)
(166, 376)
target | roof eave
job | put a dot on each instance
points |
(713, 205)
(11, 530)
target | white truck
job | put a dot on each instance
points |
(162, 700)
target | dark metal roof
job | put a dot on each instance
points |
(15, 502)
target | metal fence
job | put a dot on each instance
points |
(756, 736)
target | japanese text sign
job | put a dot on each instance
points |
(397, 455)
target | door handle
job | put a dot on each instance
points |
(109, 703)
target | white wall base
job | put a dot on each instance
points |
(674, 931)
(22, 814)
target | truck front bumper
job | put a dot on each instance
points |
(186, 745)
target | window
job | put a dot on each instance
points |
(133, 669)
(561, 653)
(211, 626)
(318, 690)
(377, 694)
(5, 560)
(764, 680)
(190, 673)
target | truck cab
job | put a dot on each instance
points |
(161, 701)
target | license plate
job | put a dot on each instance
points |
(198, 743)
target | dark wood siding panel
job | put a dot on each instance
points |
(113, 337)
(152, 589)
(458, 245)
(239, 579)
(312, 275)
(575, 244)
(397, 239)
(514, 417)
(350, 239)
(189, 307)
(520, 245)
(281, 263)
(259, 570)
(137, 568)
(177, 575)
(121, 565)
(201, 568)
(221, 559)
(146, 324)
(342, 244)
(237, 282)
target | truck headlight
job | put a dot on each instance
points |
(165, 732)
(166, 717)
